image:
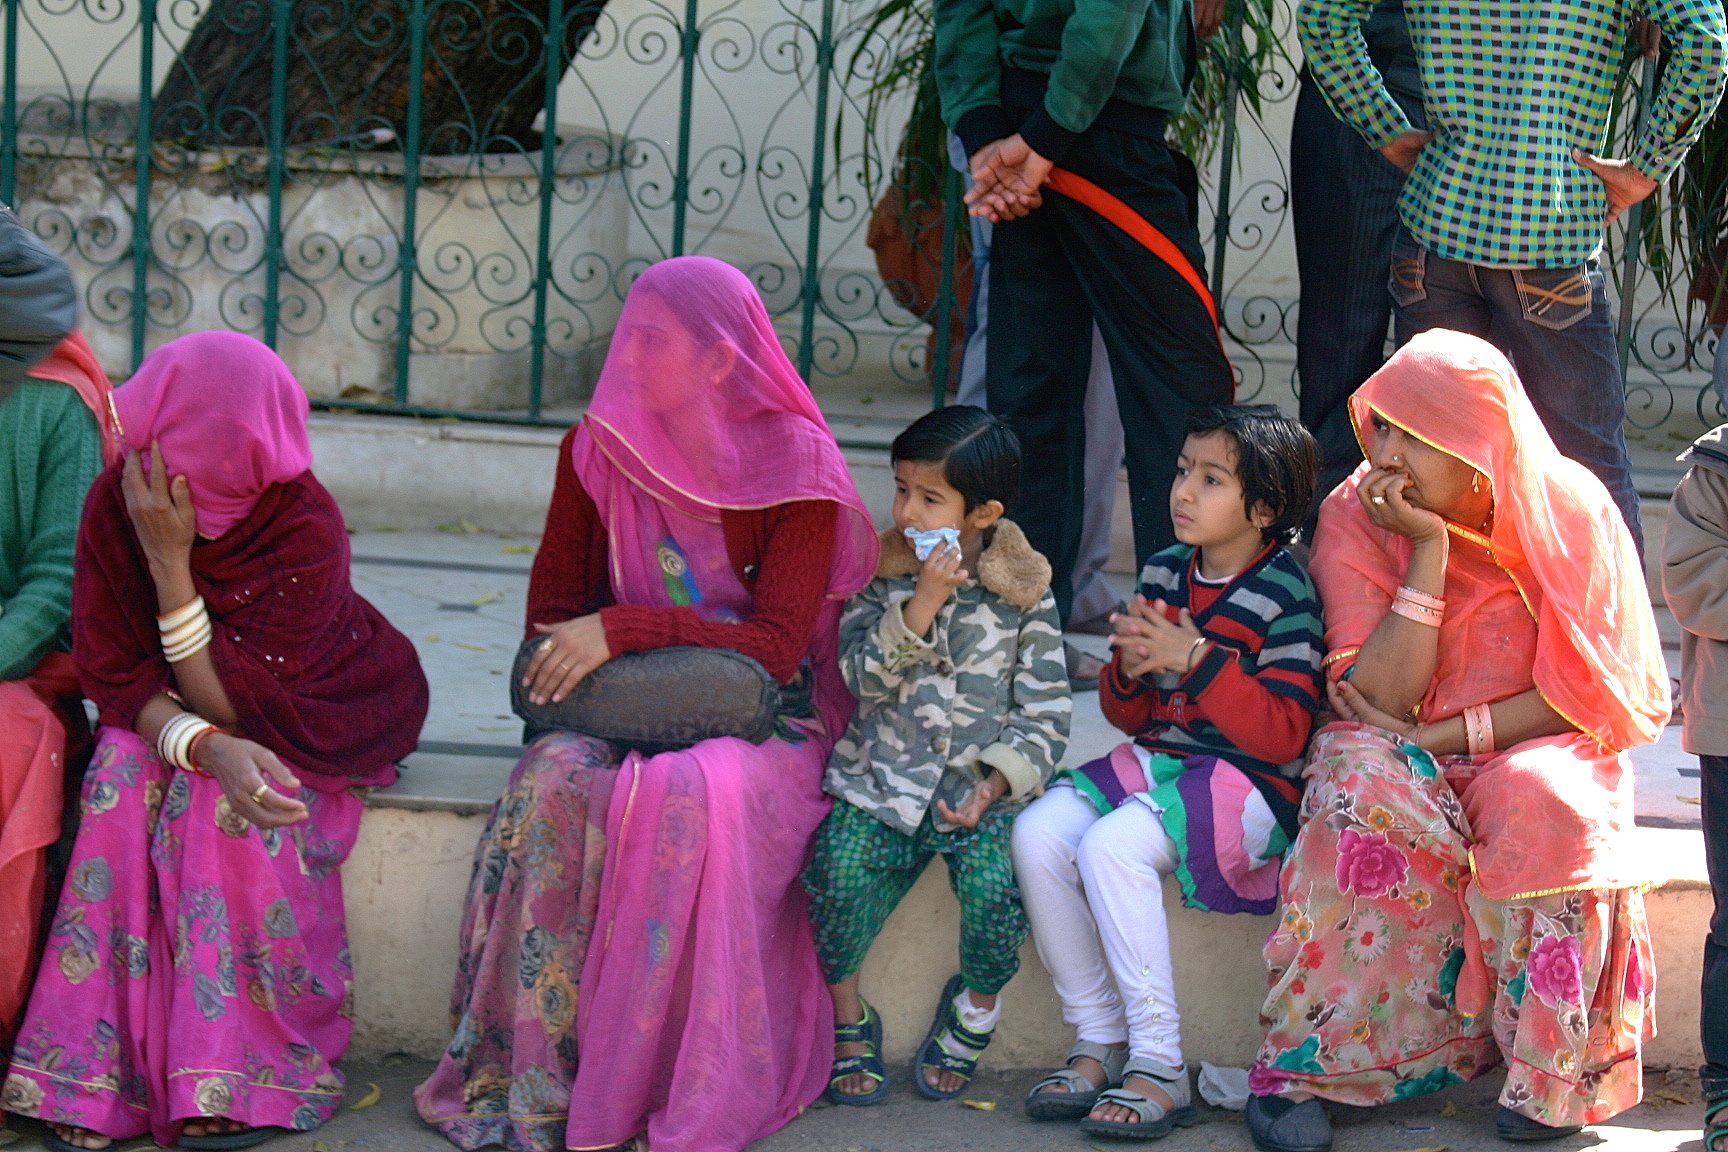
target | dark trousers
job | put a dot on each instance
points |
(1344, 211)
(1713, 788)
(1555, 326)
(1052, 274)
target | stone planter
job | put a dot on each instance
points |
(478, 222)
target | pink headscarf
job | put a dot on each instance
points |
(228, 415)
(752, 439)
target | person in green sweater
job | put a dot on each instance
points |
(1061, 106)
(55, 429)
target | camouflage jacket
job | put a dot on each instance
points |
(986, 688)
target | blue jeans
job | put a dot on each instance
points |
(1554, 325)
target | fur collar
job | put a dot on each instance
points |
(1009, 567)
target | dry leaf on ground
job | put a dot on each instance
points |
(980, 1105)
(373, 1095)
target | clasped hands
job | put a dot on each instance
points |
(1149, 641)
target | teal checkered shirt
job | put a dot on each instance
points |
(1511, 87)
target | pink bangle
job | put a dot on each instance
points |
(1422, 599)
(1479, 729)
(1419, 614)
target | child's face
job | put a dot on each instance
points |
(924, 500)
(1206, 506)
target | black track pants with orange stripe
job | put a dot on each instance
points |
(1052, 274)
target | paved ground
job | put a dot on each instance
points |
(1458, 1120)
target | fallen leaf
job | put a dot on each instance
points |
(980, 1105)
(489, 598)
(431, 637)
(1451, 1109)
(473, 647)
(1692, 800)
(460, 528)
(373, 1095)
(320, 1146)
(1672, 1096)
(519, 549)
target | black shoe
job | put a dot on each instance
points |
(1520, 1129)
(1277, 1125)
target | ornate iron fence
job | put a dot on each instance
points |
(359, 184)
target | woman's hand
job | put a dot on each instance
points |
(161, 513)
(1351, 706)
(1149, 642)
(977, 802)
(570, 651)
(1382, 495)
(254, 780)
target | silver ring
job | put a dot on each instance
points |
(1376, 499)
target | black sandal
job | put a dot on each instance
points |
(867, 1031)
(931, 1054)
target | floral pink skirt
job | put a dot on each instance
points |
(1380, 924)
(197, 965)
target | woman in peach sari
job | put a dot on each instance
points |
(1463, 892)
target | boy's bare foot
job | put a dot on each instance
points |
(857, 1084)
(81, 1137)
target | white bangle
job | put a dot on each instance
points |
(185, 631)
(174, 742)
(191, 645)
(182, 615)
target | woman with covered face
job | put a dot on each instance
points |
(636, 952)
(197, 985)
(1463, 893)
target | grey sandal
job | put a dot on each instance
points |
(1152, 1118)
(1081, 1094)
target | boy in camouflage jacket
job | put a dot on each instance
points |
(963, 702)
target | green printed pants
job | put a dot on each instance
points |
(863, 867)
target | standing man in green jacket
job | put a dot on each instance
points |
(1062, 105)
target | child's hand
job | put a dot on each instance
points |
(977, 802)
(1151, 643)
(937, 580)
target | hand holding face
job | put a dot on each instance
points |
(160, 510)
(939, 576)
(1382, 493)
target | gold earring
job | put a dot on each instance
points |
(1476, 482)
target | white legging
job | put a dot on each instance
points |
(1093, 889)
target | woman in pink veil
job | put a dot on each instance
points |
(636, 954)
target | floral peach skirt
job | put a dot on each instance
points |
(197, 966)
(1381, 928)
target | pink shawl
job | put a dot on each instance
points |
(699, 407)
(703, 1018)
(228, 415)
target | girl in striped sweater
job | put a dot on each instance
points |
(1216, 678)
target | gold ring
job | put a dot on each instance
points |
(1376, 499)
(258, 796)
(546, 644)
